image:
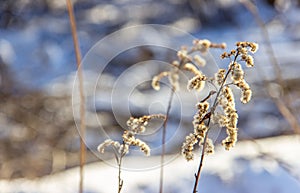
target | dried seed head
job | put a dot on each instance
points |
(232, 120)
(228, 94)
(231, 139)
(143, 146)
(197, 83)
(246, 96)
(219, 119)
(128, 137)
(155, 81)
(106, 143)
(249, 61)
(202, 45)
(209, 146)
(243, 85)
(223, 45)
(200, 130)
(225, 55)
(191, 68)
(202, 107)
(254, 47)
(219, 76)
(237, 73)
(188, 146)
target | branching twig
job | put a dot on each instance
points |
(208, 115)
(81, 92)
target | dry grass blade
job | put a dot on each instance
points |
(81, 92)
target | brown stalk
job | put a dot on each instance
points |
(285, 108)
(81, 93)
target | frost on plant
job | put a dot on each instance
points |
(224, 81)
(188, 60)
(135, 126)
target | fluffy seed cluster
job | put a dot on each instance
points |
(246, 92)
(219, 76)
(135, 126)
(243, 48)
(106, 143)
(199, 133)
(230, 117)
(156, 79)
(189, 59)
(197, 83)
(172, 76)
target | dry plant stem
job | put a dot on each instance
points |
(81, 92)
(120, 181)
(213, 108)
(285, 110)
(197, 176)
(162, 157)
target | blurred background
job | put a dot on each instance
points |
(38, 134)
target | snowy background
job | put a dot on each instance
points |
(39, 140)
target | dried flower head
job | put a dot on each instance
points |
(135, 126)
(191, 68)
(231, 139)
(202, 45)
(107, 143)
(219, 76)
(237, 73)
(188, 146)
(156, 79)
(197, 83)
(209, 147)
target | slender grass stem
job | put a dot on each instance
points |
(163, 141)
(81, 93)
(120, 181)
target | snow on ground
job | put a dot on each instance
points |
(242, 169)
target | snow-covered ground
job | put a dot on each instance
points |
(249, 167)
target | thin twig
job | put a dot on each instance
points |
(81, 93)
(119, 160)
(162, 157)
(208, 115)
